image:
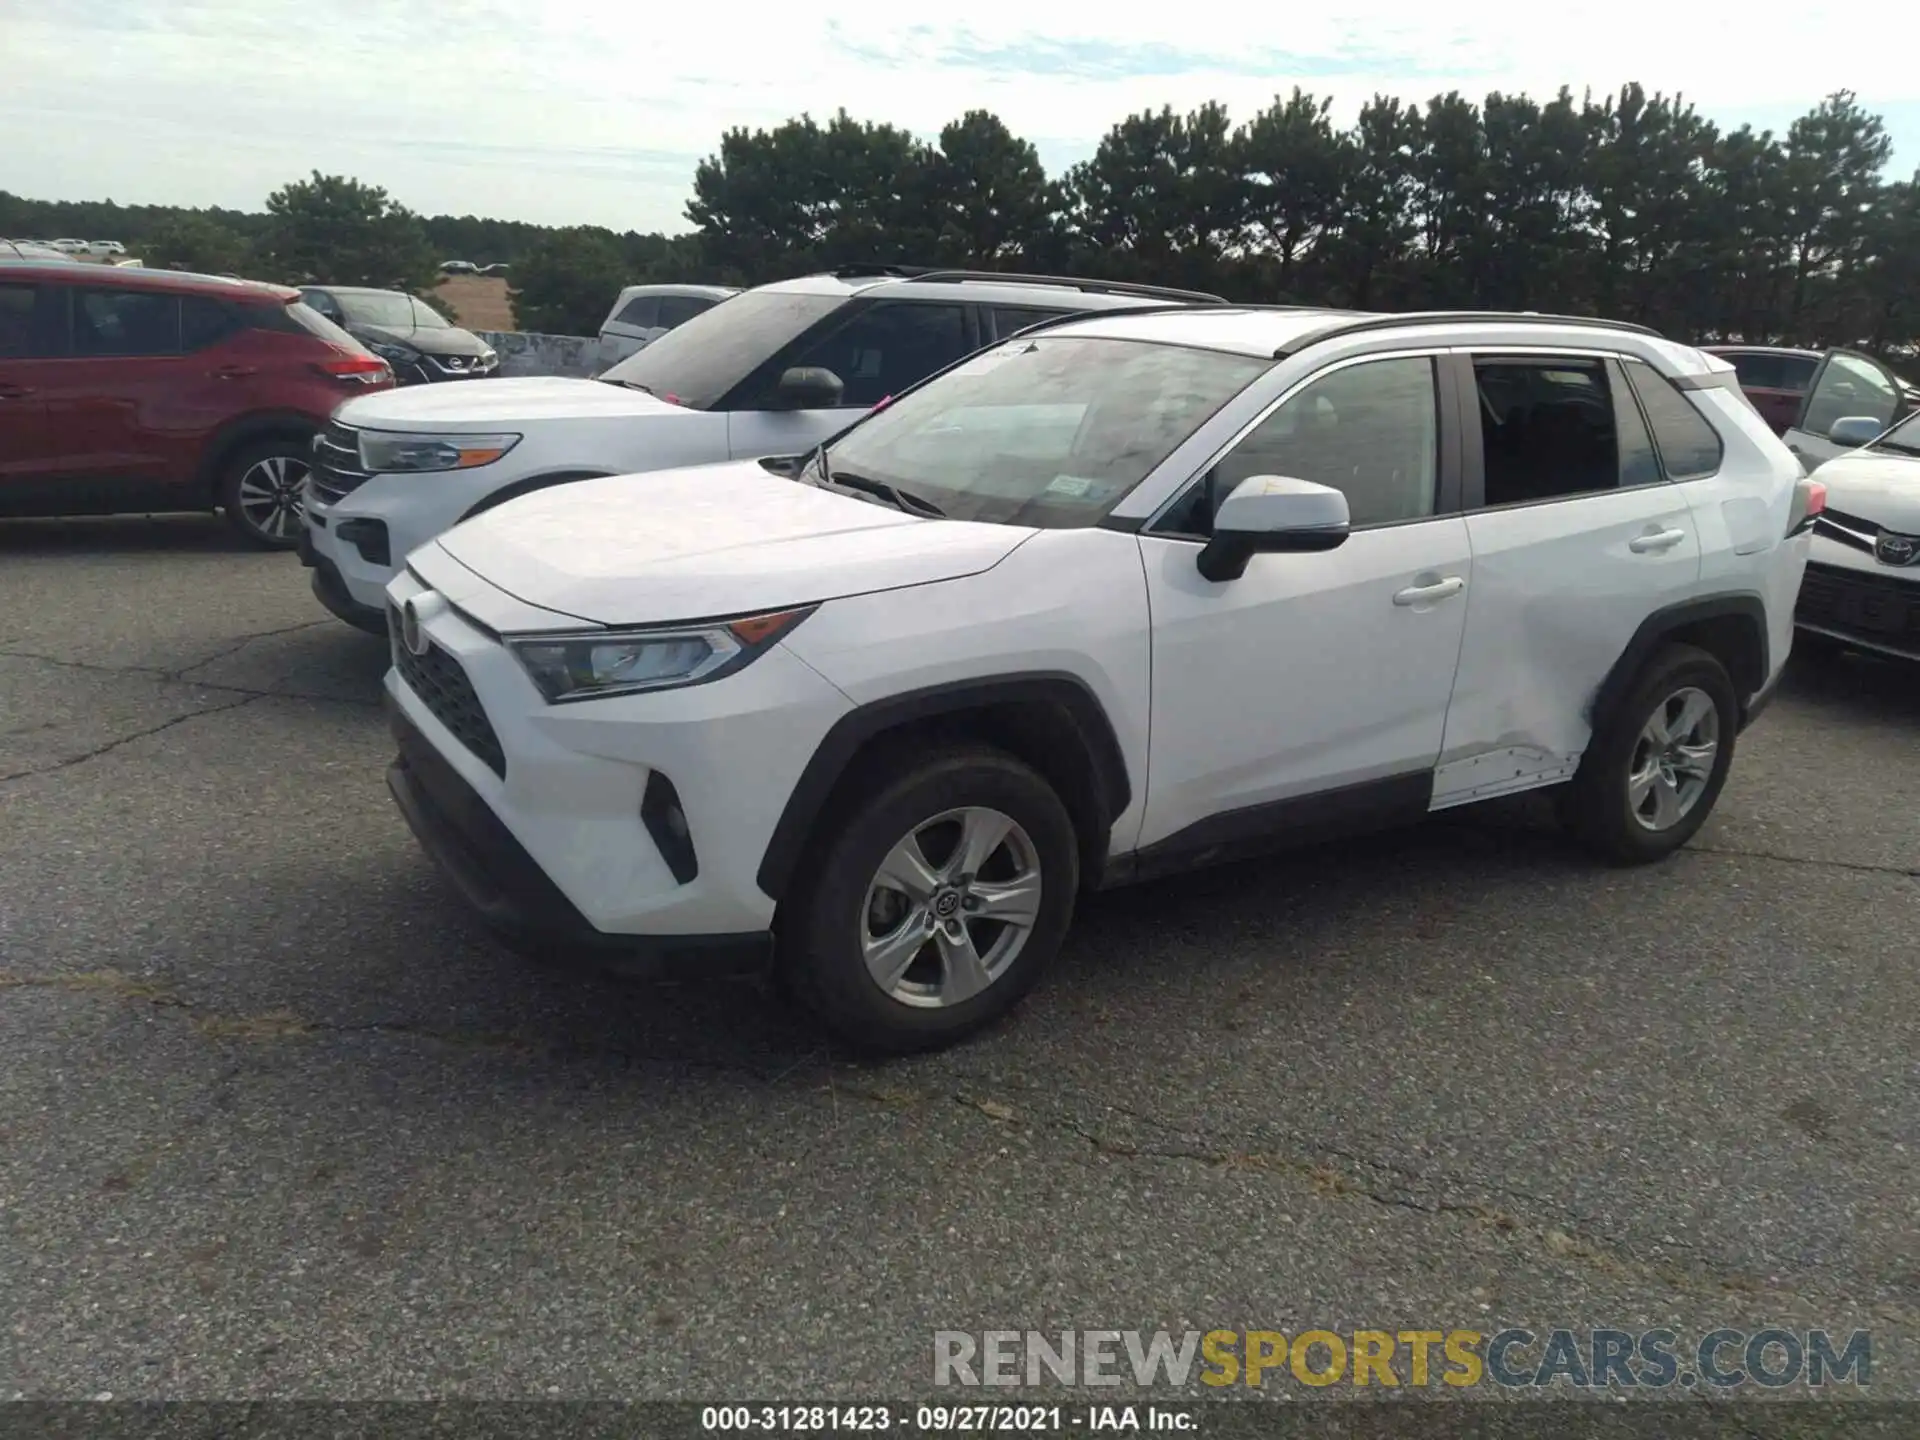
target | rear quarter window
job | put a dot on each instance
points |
(1689, 447)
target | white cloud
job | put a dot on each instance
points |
(592, 110)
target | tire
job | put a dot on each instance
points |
(844, 909)
(260, 487)
(1615, 802)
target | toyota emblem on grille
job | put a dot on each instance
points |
(1891, 549)
(411, 635)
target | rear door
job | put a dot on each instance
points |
(1846, 386)
(24, 442)
(1577, 537)
(878, 351)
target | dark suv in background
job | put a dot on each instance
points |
(144, 391)
(420, 343)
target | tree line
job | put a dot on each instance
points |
(1631, 205)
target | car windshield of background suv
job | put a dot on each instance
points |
(391, 312)
(1049, 431)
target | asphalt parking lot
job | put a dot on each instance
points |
(276, 1120)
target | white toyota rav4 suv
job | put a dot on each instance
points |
(1123, 594)
(773, 371)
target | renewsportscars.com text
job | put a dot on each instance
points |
(1597, 1359)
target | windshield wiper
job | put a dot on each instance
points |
(1899, 447)
(900, 499)
(625, 384)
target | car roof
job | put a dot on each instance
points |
(131, 277)
(716, 292)
(1276, 331)
(1794, 350)
(922, 283)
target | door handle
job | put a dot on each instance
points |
(15, 392)
(1655, 540)
(234, 372)
(1425, 594)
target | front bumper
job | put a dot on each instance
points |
(331, 590)
(587, 793)
(433, 369)
(1871, 609)
(509, 890)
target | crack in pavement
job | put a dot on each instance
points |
(174, 677)
(242, 643)
(1598, 1251)
(1861, 866)
(114, 744)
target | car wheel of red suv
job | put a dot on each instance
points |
(261, 492)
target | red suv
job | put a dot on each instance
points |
(125, 390)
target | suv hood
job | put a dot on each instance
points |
(1882, 488)
(428, 341)
(499, 403)
(731, 539)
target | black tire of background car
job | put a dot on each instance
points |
(243, 460)
(819, 953)
(1594, 805)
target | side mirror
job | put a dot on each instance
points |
(1272, 513)
(1853, 431)
(809, 387)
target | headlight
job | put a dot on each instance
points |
(385, 451)
(397, 354)
(592, 664)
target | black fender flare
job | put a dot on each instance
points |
(1657, 628)
(530, 483)
(852, 731)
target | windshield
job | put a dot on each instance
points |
(1051, 431)
(390, 310)
(699, 362)
(1902, 439)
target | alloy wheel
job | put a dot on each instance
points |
(269, 495)
(1673, 759)
(951, 907)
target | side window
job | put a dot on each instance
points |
(1796, 372)
(1639, 465)
(642, 312)
(678, 309)
(1849, 386)
(203, 322)
(1007, 319)
(16, 320)
(1760, 371)
(882, 351)
(1369, 430)
(1689, 447)
(125, 322)
(1547, 429)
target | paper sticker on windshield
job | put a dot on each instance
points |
(1073, 485)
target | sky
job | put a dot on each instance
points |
(597, 111)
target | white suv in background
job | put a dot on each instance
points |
(641, 314)
(773, 371)
(1121, 595)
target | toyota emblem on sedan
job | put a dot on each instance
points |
(411, 635)
(1891, 549)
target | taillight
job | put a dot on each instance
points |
(1809, 500)
(356, 369)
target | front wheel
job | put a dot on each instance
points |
(261, 492)
(1653, 771)
(936, 902)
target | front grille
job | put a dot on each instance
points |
(336, 471)
(1874, 607)
(443, 687)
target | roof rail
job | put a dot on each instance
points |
(1009, 277)
(1455, 317)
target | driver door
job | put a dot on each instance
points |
(1846, 385)
(1311, 693)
